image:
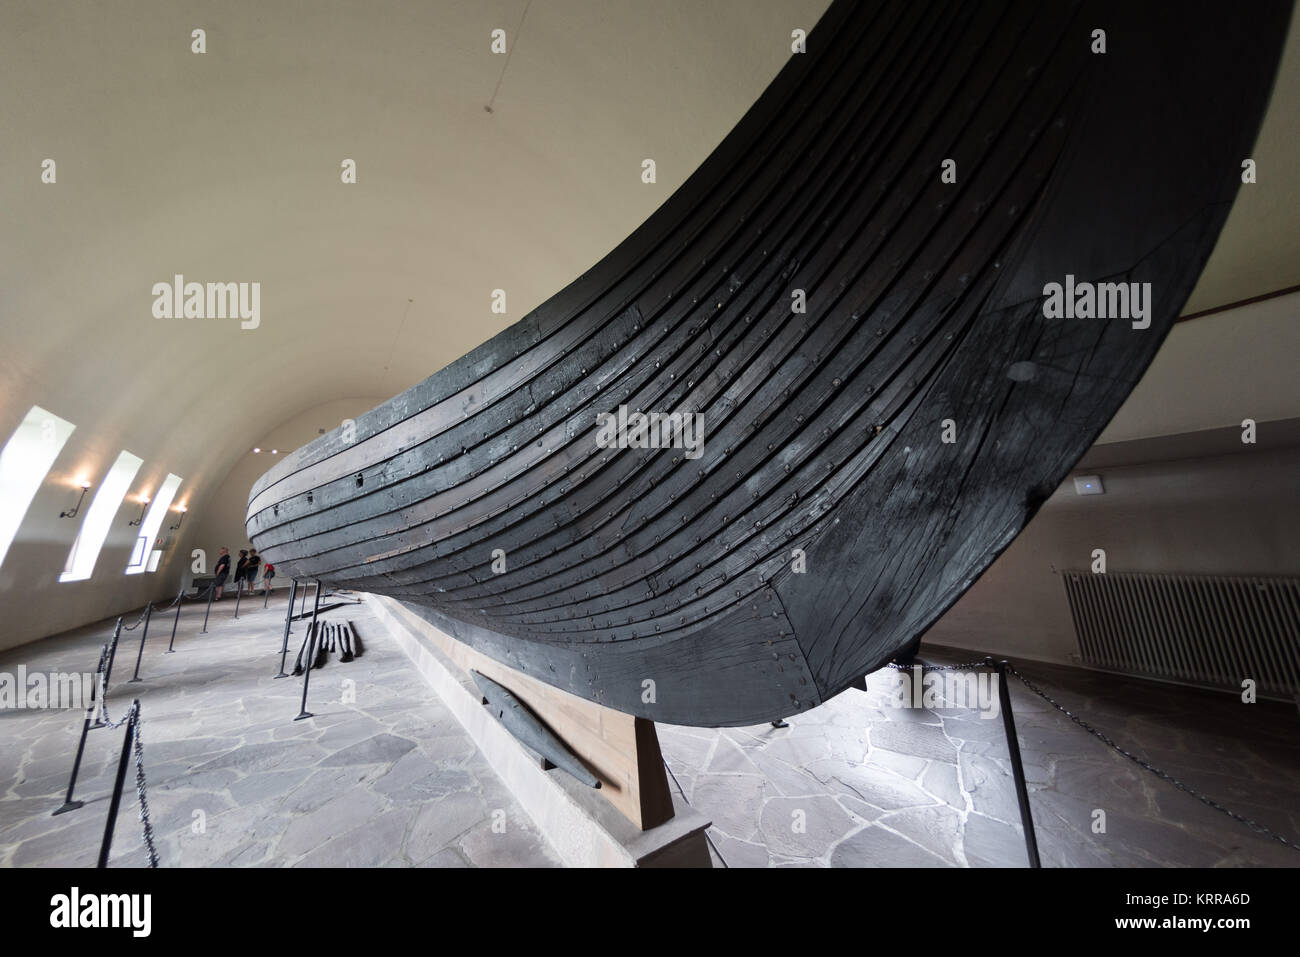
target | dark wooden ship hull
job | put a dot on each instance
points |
(669, 586)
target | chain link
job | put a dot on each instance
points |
(102, 717)
(146, 825)
(138, 620)
(1163, 775)
(926, 669)
(180, 597)
(175, 601)
(133, 715)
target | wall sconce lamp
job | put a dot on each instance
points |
(144, 504)
(76, 508)
(179, 520)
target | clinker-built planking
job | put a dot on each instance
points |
(668, 587)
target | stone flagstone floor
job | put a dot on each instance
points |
(389, 779)
(859, 782)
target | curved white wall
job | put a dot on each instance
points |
(222, 521)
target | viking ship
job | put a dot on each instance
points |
(850, 293)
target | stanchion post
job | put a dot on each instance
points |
(116, 799)
(311, 656)
(180, 600)
(288, 620)
(144, 633)
(1017, 766)
(68, 803)
(239, 593)
(211, 591)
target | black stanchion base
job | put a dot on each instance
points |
(134, 680)
(780, 723)
(283, 675)
(97, 724)
(169, 652)
(305, 714)
(68, 806)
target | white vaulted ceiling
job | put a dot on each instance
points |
(225, 166)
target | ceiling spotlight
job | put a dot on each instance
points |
(255, 451)
(275, 451)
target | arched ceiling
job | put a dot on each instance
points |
(225, 166)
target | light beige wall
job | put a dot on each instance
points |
(1215, 371)
(1231, 514)
(1228, 514)
(222, 521)
(33, 602)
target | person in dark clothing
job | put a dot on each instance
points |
(221, 571)
(241, 567)
(250, 570)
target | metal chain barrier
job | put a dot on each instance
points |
(174, 602)
(928, 668)
(138, 620)
(1146, 765)
(134, 720)
(146, 825)
(102, 716)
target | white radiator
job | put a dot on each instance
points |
(1208, 630)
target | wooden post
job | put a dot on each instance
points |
(622, 751)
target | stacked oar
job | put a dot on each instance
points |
(332, 637)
